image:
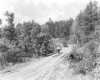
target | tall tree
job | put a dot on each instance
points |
(27, 33)
(86, 22)
(9, 29)
(51, 27)
(88, 19)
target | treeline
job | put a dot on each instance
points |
(22, 41)
(87, 24)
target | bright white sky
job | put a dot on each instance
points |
(41, 10)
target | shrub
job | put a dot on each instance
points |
(17, 56)
(3, 48)
(83, 62)
(43, 45)
(13, 56)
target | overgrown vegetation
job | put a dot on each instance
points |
(86, 25)
(23, 41)
(84, 60)
(86, 34)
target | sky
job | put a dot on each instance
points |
(41, 10)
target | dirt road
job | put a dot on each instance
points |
(50, 68)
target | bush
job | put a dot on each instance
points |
(13, 56)
(17, 56)
(3, 48)
(43, 45)
(84, 62)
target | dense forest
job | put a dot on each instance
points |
(23, 41)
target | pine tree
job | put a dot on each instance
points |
(9, 30)
(88, 19)
(86, 22)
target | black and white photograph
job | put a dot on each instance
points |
(49, 39)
